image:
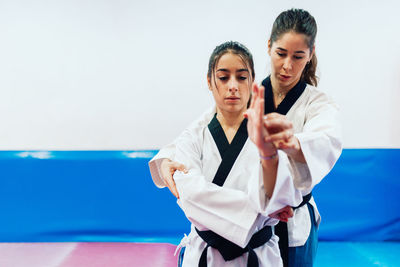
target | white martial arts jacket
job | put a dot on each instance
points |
(234, 211)
(315, 119)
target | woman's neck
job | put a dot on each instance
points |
(280, 91)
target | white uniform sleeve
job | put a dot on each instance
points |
(320, 142)
(168, 152)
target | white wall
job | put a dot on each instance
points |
(108, 74)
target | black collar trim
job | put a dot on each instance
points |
(228, 152)
(289, 100)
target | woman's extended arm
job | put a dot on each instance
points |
(316, 148)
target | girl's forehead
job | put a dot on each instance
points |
(230, 60)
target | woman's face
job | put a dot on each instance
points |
(289, 56)
(231, 83)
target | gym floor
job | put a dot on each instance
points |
(96, 254)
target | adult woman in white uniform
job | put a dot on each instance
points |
(304, 123)
(316, 144)
(232, 183)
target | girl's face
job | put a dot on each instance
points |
(231, 83)
(289, 56)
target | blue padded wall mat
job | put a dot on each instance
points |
(63, 196)
(359, 200)
(84, 196)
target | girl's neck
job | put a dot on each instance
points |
(230, 119)
(230, 122)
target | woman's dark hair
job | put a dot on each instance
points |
(298, 21)
(235, 48)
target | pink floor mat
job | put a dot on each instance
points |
(87, 255)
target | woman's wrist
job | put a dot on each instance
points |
(296, 153)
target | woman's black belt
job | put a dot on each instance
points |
(229, 250)
(281, 231)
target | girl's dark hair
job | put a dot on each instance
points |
(235, 48)
(299, 21)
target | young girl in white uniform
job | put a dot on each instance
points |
(232, 182)
(303, 122)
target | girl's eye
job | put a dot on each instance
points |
(223, 78)
(242, 78)
(281, 54)
(297, 57)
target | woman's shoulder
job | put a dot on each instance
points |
(314, 91)
(317, 100)
(314, 94)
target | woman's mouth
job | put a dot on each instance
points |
(284, 77)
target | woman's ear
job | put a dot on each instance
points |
(209, 83)
(312, 52)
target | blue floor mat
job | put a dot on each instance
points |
(348, 254)
(358, 254)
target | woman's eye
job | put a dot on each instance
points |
(223, 78)
(242, 78)
(281, 54)
(297, 57)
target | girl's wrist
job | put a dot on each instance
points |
(269, 152)
(269, 157)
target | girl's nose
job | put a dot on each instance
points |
(233, 86)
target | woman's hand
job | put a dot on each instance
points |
(255, 125)
(168, 168)
(283, 214)
(282, 135)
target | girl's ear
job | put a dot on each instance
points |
(209, 83)
(269, 47)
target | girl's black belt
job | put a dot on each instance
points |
(229, 250)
